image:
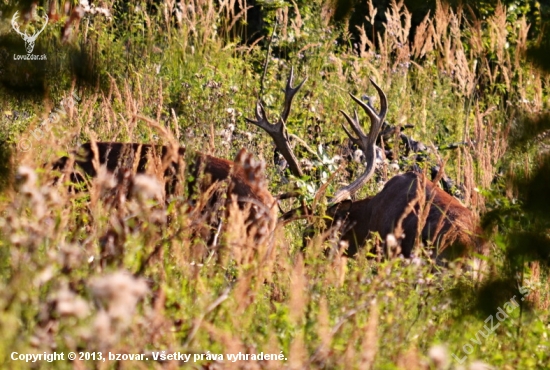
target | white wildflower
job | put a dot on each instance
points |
(391, 241)
(147, 187)
(479, 365)
(70, 304)
(439, 356)
(120, 292)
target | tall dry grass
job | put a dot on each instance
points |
(98, 271)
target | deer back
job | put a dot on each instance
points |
(449, 225)
(147, 158)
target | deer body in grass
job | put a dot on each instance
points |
(116, 156)
(447, 224)
(124, 161)
(399, 209)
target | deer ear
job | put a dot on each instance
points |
(340, 210)
(345, 206)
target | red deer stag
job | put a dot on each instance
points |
(447, 225)
(128, 159)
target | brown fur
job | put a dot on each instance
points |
(245, 174)
(449, 225)
(140, 157)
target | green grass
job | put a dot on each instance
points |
(57, 291)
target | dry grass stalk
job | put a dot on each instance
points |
(398, 27)
(410, 360)
(298, 286)
(423, 38)
(297, 357)
(323, 330)
(370, 339)
(399, 233)
(232, 345)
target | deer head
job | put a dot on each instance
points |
(29, 39)
(367, 143)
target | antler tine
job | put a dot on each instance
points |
(262, 121)
(290, 92)
(366, 142)
(15, 24)
(376, 122)
(46, 19)
(383, 101)
(354, 125)
(277, 131)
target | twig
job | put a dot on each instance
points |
(268, 52)
(306, 147)
(336, 328)
(199, 320)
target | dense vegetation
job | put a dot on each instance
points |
(85, 271)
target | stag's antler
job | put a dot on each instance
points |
(15, 25)
(367, 143)
(278, 130)
(29, 40)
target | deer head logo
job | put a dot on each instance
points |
(29, 40)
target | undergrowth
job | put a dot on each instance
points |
(81, 271)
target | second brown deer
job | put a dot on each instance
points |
(125, 162)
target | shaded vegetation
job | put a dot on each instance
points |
(97, 271)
